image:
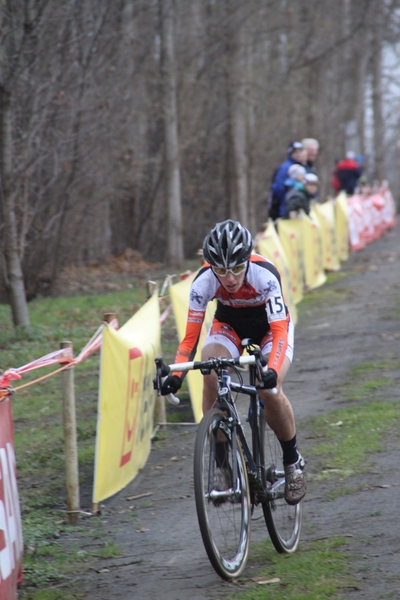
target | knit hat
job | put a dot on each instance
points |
(294, 146)
(296, 171)
(311, 178)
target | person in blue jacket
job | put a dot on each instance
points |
(296, 154)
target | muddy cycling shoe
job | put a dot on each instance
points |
(295, 481)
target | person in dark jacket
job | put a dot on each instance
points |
(300, 196)
(295, 177)
(347, 174)
(295, 155)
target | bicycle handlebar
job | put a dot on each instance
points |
(211, 363)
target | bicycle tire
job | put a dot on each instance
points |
(283, 521)
(224, 523)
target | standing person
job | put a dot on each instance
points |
(295, 155)
(312, 147)
(250, 304)
(300, 196)
(347, 174)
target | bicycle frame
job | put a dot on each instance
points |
(225, 388)
(225, 402)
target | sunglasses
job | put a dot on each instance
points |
(234, 270)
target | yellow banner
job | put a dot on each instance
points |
(291, 233)
(325, 214)
(342, 226)
(126, 400)
(312, 250)
(269, 246)
(180, 301)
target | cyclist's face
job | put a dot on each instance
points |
(232, 282)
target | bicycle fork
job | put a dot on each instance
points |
(234, 491)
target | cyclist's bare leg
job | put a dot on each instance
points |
(210, 386)
(278, 410)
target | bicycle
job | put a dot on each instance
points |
(229, 478)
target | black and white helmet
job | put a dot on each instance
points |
(227, 245)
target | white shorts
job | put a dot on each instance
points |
(221, 333)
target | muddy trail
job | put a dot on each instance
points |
(153, 521)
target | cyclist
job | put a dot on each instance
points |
(250, 304)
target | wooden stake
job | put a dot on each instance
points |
(70, 442)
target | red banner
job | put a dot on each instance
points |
(370, 215)
(11, 544)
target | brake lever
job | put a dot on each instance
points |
(162, 370)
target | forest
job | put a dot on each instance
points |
(140, 123)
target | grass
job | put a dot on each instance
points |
(318, 572)
(347, 436)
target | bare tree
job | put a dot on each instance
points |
(376, 68)
(13, 270)
(125, 115)
(171, 143)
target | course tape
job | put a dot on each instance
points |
(64, 356)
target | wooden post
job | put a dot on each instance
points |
(159, 411)
(70, 442)
(107, 318)
(152, 288)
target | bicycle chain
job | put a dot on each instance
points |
(257, 493)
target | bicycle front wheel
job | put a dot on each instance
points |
(283, 521)
(223, 505)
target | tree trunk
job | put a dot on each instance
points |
(379, 163)
(14, 276)
(171, 142)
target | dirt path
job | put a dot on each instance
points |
(163, 556)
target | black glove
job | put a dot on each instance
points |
(270, 378)
(171, 385)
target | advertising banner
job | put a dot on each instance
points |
(291, 233)
(312, 251)
(342, 226)
(357, 235)
(325, 214)
(179, 293)
(11, 543)
(389, 209)
(126, 400)
(270, 247)
(371, 217)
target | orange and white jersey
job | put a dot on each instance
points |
(255, 310)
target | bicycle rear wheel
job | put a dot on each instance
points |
(223, 505)
(283, 521)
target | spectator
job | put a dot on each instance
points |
(312, 146)
(300, 196)
(295, 155)
(295, 177)
(347, 174)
